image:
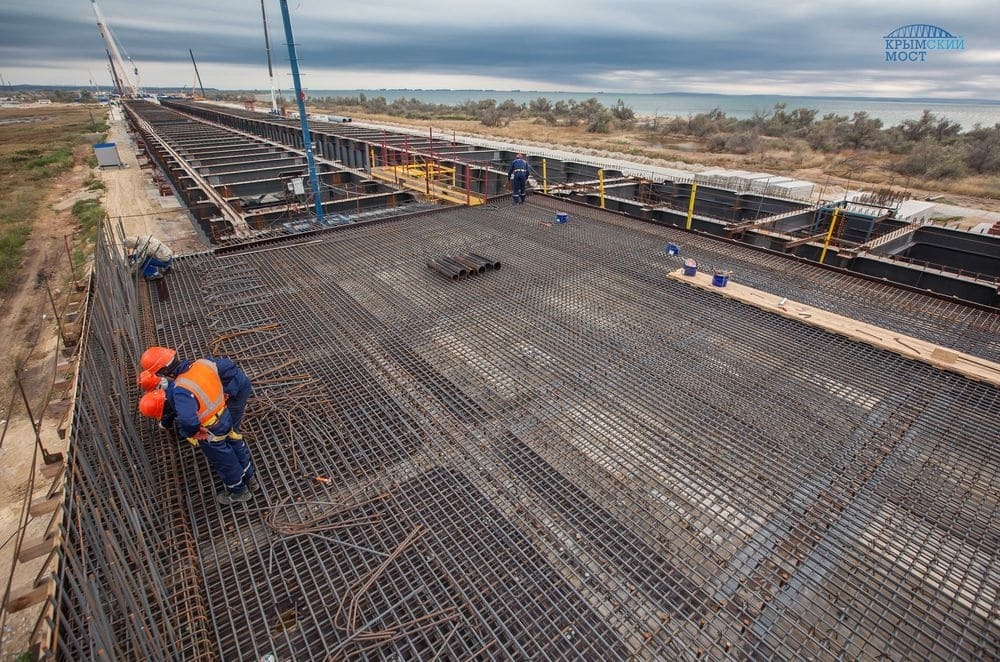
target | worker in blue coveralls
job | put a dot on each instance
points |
(518, 174)
(154, 258)
(207, 399)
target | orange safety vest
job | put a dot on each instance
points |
(202, 380)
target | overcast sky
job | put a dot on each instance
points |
(645, 46)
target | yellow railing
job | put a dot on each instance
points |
(430, 178)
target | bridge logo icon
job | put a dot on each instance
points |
(911, 43)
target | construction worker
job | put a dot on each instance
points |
(148, 381)
(164, 362)
(228, 458)
(518, 174)
(196, 399)
(154, 257)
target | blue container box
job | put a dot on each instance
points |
(562, 217)
(673, 249)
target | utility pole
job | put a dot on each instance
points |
(300, 97)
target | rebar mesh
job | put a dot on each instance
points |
(575, 457)
(128, 580)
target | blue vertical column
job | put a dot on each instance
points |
(301, 99)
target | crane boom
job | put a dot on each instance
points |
(197, 75)
(270, 71)
(118, 69)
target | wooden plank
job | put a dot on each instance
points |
(28, 597)
(39, 549)
(50, 471)
(940, 357)
(47, 505)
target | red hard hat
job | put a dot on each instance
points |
(155, 359)
(151, 404)
(148, 380)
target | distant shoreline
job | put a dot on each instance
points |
(586, 95)
(966, 112)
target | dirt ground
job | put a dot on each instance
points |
(28, 329)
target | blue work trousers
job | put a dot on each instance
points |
(237, 404)
(152, 267)
(517, 187)
(230, 459)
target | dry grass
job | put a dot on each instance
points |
(792, 158)
(36, 146)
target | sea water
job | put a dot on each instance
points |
(967, 112)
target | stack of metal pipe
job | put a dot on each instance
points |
(456, 267)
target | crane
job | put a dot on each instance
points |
(197, 75)
(118, 69)
(270, 71)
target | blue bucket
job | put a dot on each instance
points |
(673, 249)
(690, 267)
(562, 217)
(720, 279)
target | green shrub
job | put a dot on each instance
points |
(12, 239)
(89, 213)
(62, 157)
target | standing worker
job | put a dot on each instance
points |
(518, 174)
(207, 399)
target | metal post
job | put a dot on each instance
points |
(69, 254)
(300, 97)
(545, 176)
(47, 457)
(600, 185)
(55, 312)
(694, 189)
(829, 233)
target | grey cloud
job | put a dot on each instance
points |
(782, 40)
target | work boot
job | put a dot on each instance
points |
(228, 498)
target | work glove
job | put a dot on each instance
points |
(199, 436)
(234, 435)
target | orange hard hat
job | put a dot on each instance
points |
(155, 359)
(151, 404)
(148, 380)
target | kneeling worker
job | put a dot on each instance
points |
(155, 259)
(196, 402)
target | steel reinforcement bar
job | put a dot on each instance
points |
(574, 457)
(128, 586)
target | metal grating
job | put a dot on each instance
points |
(574, 457)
